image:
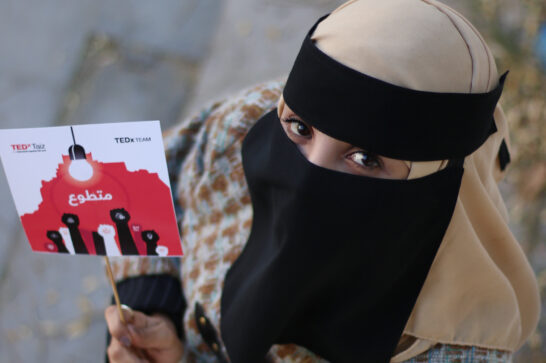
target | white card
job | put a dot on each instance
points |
(92, 189)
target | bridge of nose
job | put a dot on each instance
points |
(324, 150)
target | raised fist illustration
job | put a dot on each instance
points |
(150, 238)
(120, 215)
(72, 222)
(127, 244)
(56, 238)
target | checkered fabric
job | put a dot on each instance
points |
(447, 353)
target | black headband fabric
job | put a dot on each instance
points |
(384, 118)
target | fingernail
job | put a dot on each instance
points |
(125, 340)
(128, 312)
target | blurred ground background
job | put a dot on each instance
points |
(87, 61)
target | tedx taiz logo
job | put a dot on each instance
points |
(27, 148)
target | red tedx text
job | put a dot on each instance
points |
(20, 147)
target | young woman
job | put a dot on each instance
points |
(358, 220)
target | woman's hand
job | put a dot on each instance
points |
(145, 338)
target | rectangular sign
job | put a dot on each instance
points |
(100, 189)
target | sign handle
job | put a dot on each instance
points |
(114, 288)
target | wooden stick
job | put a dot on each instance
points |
(138, 352)
(112, 282)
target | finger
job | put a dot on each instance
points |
(128, 313)
(116, 328)
(118, 353)
(139, 319)
(171, 354)
(156, 333)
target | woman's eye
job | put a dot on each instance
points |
(365, 159)
(297, 127)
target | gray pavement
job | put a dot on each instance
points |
(92, 61)
(83, 62)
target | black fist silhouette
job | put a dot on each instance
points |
(150, 238)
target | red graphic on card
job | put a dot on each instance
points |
(91, 207)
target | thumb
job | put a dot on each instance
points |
(152, 332)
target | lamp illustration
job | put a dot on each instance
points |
(79, 168)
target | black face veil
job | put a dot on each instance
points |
(335, 261)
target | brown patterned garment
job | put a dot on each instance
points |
(214, 212)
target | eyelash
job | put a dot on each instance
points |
(292, 121)
(367, 156)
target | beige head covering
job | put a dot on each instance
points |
(481, 289)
